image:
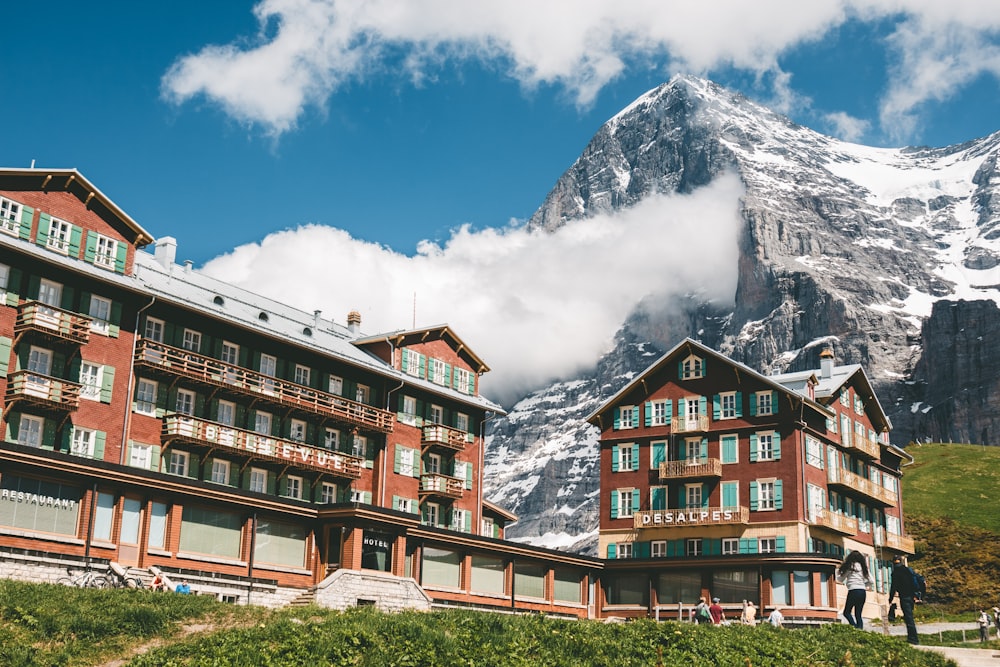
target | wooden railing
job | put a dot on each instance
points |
(700, 516)
(53, 322)
(691, 468)
(883, 538)
(442, 485)
(688, 425)
(839, 522)
(444, 436)
(42, 390)
(864, 445)
(261, 447)
(837, 475)
(197, 367)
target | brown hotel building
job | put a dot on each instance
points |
(159, 419)
(719, 481)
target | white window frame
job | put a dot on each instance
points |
(153, 330)
(362, 393)
(331, 438)
(767, 545)
(297, 430)
(185, 402)
(105, 252)
(765, 446)
(430, 515)
(225, 413)
(693, 368)
(659, 416)
(727, 405)
(764, 399)
(625, 462)
(328, 493)
(30, 431)
(84, 440)
(625, 509)
(409, 410)
(658, 549)
(293, 487)
(336, 385)
(145, 396)
(624, 550)
(192, 340)
(436, 414)
(694, 546)
(625, 414)
(486, 527)
(220, 471)
(40, 360)
(359, 444)
(692, 451)
(99, 312)
(358, 496)
(433, 465)
(179, 462)
(91, 379)
(730, 546)
(261, 420)
(230, 354)
(10, 213)
(302, 374)
(462, 380)
(60, 233)
(140, 456)
(412, 362)
(458, 519)
(765, 494)
(258, 480)
(462, 421)
(693, 495)
(50, 292)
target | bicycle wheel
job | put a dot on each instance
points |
(99, 582)
(65, 581)
(133, 582)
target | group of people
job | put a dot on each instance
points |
(715, 615)
(853, 573)
(985, 619)
(160, 584)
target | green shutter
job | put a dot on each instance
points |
(704, 449)
(614, 458)
(703, 406)
(34, 282)
(404, 359)
(716, 407)
(753, 448)
(100, 439)
(468, 477)
(739, 404)
(5, 345)
(611, 551)
(121, 253)
(774, 402)
(728, 446)
(468, 522)
(641, 549)
(90, 249)
(107, 383)
(648, 417)
(658, 454)
(13, 287)
(779, 544)
(423, 365)
(635, 456)
(49, 434)
(635, 500)
(447, 375)
(75, 233)
(681, 498)
(618, 420)
(680, 370)
(754, 502)
(776, 444)
(154, 457)
(116, 318)
(66, 301)
(27, 215)
(730, 494)
(777, 494)
(397, 459)
(635, 415)
(44, 222)
(614, 504)
(753, 405)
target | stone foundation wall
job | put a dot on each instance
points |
(352, 588)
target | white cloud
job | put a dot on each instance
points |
(846, 126)
(536, 306)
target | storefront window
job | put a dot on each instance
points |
(376, 551)
(674, 587)
(736, 585)
(280, 543)
(38, 505)
(205, 531)
(631, 589)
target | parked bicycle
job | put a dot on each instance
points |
(124, 579)
(87, 579)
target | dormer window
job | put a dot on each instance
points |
(693, 367)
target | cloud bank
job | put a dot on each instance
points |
(535, 306)
(306, 49)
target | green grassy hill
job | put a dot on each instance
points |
(951, 506)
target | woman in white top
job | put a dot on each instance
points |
(853, 573)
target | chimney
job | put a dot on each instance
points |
(826, 363)
(354, 322)
(316, 314)
(166, 251)
(188, 265)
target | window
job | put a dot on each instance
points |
(659, 413)
(430, 514)
(692, 368)
(435, 370)
(30, 431)
(328, 493)
(331, 438)
(626, 417)
(693, 495)
(693, 546)
(153, 330)
(692, 452)
(145, 397)
(40, 360)
(359, 446)
(463, 380)
(50, 293)
(486, 530)
(625, 508)
(462, 421)
(658, 548)
(90, 379)
(437, 414)
(767, 545)
(293, 487)
(458, 519)
(765, 446)
(409, 415)
(59, 235)
(625, 462)
(407, 461)
(262, 423)
(845, 430)
(178, 463)
(140, 456)
(845, 398)
(625, 550)
(231, 355)
(185, 402)
(105, 252)
(433, 464)
(191, 340)
(100, 314)
(362, 394)
(730, 546)
(297, 430)
(226, 413)
(727, 405)
(220, 471)
(411, 362)
(404, 505)
(258, 480)
(336, 385)
(302, 374)
(157, 525)
(766, 497)
(9, 213)
(83, 441)
(765, 404)
(814, 452)
(859, 405)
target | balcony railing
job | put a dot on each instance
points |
(691, 468)
(857, 483)
(442, 485)
(863, 445)
(839, 522)
(42, 390)
(701, 516)
(52, 322)
(261, 447)
(445, 436)
(197, 367)
(883, 538)
(690, 424)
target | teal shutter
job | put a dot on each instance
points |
(75, 234)
(404, 360)
(779, 544)
(670, 410)
(423, 365)
(447, 375)
(614, 458)
(468, 522)
(704, 449)
(49, 434)
(753, 448)
(107, 383)
(648, 417)
(618, 419)
(753, 405)
(658, 454)
(777, 494)
(658, 498)
(44, 223)
(705, 495)
(90, 249)
(754, 502)
(154, 457)
(681, 498)
(635, 415)
(716, 407)
(739, 404)
(728, 446)
(614, 504)
(671, 548)
(611, 551)
(730, 494)
(635, 500)
(776, 444)
(745, 545)
(641, 549)
(703, 406)
(468, 477)
(121, 252)
(681, 407)
(774, 402)
(5, 345)
(635, 456)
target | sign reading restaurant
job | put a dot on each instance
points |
(692, 517)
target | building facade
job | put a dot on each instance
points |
(719, 481)
(156, 418)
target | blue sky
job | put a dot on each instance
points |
(400, 121)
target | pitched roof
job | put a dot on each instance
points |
(402, 338)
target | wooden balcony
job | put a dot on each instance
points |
(42, 391)
(688, 425)
(847, 525)
(863, 446)
(53, 323)
(259, 447)
(434, 484)
(856, 484)
(690, 469)
(438, 435)
(686, 518)
(883, 538)
(177, 362)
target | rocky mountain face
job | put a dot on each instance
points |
(892, 256)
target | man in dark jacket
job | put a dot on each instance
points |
(902, 583)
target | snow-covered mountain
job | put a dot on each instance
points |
(890, 255)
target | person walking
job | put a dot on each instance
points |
(777, 619)
(984, 626)
(853, 573)
(902, 585)
(701, 612)
(716, 610)
(996, 620)
(749, 614)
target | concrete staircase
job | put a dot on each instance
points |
(307, 597)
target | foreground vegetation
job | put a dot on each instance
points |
(51, 625)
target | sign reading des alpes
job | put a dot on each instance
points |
(692, 517)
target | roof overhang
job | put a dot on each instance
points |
(426, 335)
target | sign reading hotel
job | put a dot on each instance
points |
(694, 517)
